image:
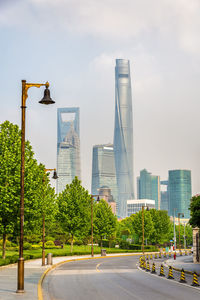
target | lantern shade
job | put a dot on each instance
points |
(55, 176)
(46, 99)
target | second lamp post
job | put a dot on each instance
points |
(43, 215)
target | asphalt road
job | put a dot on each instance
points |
(112, 279)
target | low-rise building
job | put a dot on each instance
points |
(133, 206)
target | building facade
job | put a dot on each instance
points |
(148, 187)
(123, 135)
(105, 193)
(180, 192)
(164, 197)
(133, 206)
(68, 146)
(103, 170)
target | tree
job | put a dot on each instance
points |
(105, 221)
(161, 226)
(74, 209)
(10, 163)
(195, 211)
(137, 224)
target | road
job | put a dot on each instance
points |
(112, 279)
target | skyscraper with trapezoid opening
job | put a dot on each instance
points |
(123, 135)
(68, 146)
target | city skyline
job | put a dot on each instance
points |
(162, 43)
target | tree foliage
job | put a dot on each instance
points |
(161, 226)
(137, 224)
(74, 210)
(10, 165)
(104, 220)
(195, 211)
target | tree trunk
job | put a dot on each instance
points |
(101, 243)
(4, 246)
(72, 243)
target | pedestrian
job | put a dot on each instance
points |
(174, 255)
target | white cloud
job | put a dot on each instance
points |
(110, 19)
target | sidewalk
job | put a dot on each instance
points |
(185, 262)
(32, 273)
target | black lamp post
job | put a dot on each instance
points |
(46, 100)
(92, 246)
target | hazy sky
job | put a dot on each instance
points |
(74, 43)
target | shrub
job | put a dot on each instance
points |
(8, 243)
(105, 243)
(27, 246)
(49, 238)
(124, 244)
(78, 242)
(34, 247)
(49, 243)
(32, 238)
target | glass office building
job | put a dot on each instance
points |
(134, 206)
(68, 146)
(180, 192)
(164, 198)
(123, 135)
(103, 170)
(148, 187)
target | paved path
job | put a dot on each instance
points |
(185, 262)
(33, 271)
(112, 279)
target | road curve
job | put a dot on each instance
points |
(112, 279)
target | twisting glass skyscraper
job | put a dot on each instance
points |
(68, 146)
(123, 135)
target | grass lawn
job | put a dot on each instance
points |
(12, 256)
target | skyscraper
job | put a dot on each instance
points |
(103, 170)
(68, 146)
(149, 187)
(123, 135)
(180, 192)
(164, 198)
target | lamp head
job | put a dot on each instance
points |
(55, 176)
(47, 99)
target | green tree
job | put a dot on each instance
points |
(74, 210)
(105, 221)
(10, 163)
(195, 211)
(137, 224)
(46, 206)
(161, 226)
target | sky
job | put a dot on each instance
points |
(74, 43)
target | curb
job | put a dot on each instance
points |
(179, 270)
(40, 296)
(187, 285)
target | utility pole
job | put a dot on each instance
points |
(184, 237)
(143, 229)
(174, 231)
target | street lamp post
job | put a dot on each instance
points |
(43, 217)
(92, 246)
(46, 100)
(184, 237)
(143, 229)
(174, 230)
(179, 225)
